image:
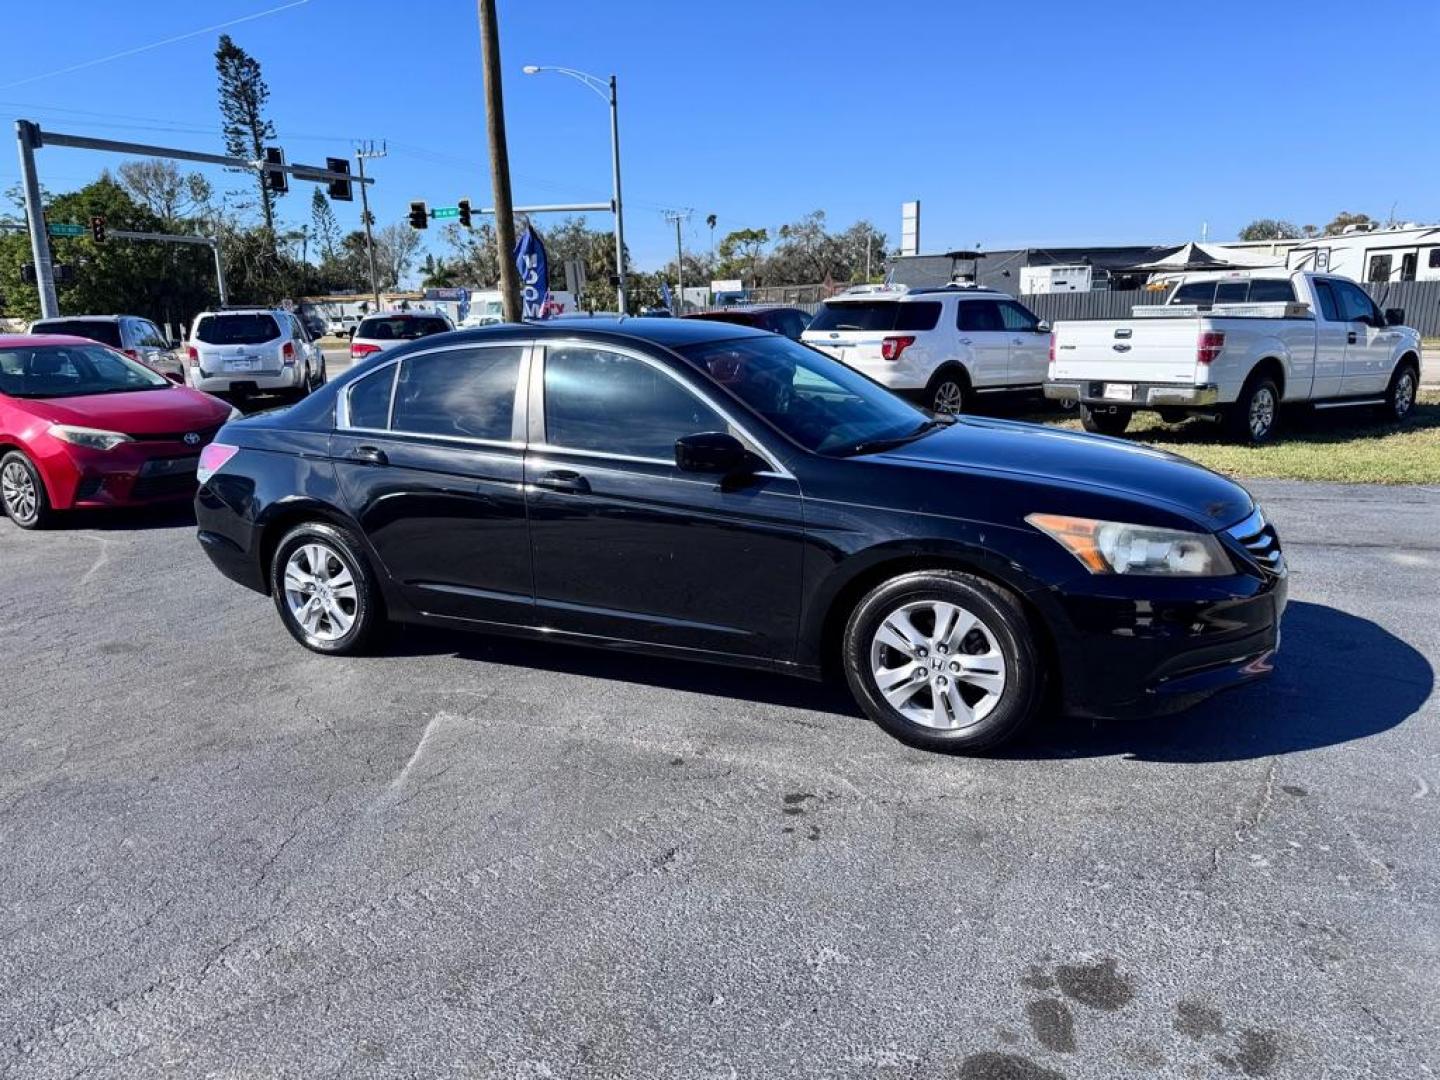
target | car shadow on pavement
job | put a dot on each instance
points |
(131, 518)
(1337, 678)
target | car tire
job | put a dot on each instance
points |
(1401, 393)
(325, 591)
(928, 694)
(22, 492)
(948, 392)
(1112, 421)
(1255, 416)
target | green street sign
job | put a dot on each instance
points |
(445, 211)
(57, 229)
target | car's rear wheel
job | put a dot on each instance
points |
(948, 392)
(943, 660)
(1400, 395)
(324, 590)
(1256, 412)
(1104, 419)
(22, 492)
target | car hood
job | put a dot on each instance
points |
(140, 412)
(1046, 454)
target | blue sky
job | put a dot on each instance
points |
(1014, 124)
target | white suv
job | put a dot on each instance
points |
(252, 350)
(940, 346)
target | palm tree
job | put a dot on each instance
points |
(436, 273)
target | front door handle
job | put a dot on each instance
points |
(563, 480)
(1350, 337)
(368, 455)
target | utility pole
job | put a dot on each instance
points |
(678, 217)
(27, 135)
(499, 160)
(363, 154)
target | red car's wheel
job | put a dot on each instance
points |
(22, 492)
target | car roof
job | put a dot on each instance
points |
(669, 332)
(86, 318)
(29, 341)
(405, 315)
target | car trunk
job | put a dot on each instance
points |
(1136, 350)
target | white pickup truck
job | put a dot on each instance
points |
(1238, 345)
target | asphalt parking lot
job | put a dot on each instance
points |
(221, 855)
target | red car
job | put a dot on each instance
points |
(82, 425)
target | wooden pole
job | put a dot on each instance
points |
(499, 161)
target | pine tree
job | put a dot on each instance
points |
(243, 95)
(323, 225)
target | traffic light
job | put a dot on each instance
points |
(278, 182)
(340, 190)
(27, 273)
(464, 205)
(97, 228)
(62, 273)
(419, 215)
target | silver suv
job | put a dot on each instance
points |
(140, 339)
(941, 346)
(253, 350)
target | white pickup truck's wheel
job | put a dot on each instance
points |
(1400, 396)
(1256, 412)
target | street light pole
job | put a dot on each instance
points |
(606, 90)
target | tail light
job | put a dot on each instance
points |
(134, 354)
(192, 356)
(213, 458)
(1209, 346)
(892, 347)
(1052, 356)
(287, 352)
(360, 349)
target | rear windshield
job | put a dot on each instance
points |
(877, 316)
(237, 329)
(105, 332)
(1235, 291)
(401, 327)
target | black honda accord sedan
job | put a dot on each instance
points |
(712, 492)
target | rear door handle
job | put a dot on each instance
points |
(1350, 337)
(563, 480)
(369, 455)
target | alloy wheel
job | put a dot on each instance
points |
(937, 664)
(949, 398)
(320, 591)
(1404, 394)
(1262, 412)
(17, 489)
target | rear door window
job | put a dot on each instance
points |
(465, 393)
(979, 316)
(237, 329)
(1200, 293)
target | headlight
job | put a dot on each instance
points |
(90, 438)
(1114, 547)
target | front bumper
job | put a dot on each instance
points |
(132, 474)
(1146, 647)
(1142, 395)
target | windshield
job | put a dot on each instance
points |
(105, 332)
(401, 327)
(252, 329)
(819, 403)
(52, 371)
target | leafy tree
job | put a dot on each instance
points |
(160, 187)
(243, 96)
(323, 226)
(1269, 229)
(1344, 218)
(396, 246)
(861, 246)
(740, 254)
(436, 273)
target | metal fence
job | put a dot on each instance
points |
(1419, 299)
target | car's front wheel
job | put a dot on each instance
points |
(22, 492)
(943, 660)
(1400, 395)
(324, 590)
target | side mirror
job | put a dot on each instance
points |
(1042, 327)
(1394, 316)
(710, 452)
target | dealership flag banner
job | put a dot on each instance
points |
(534, 269)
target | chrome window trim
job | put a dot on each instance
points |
(342, 412)
(777, 469)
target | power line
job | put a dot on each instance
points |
(153, 45)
